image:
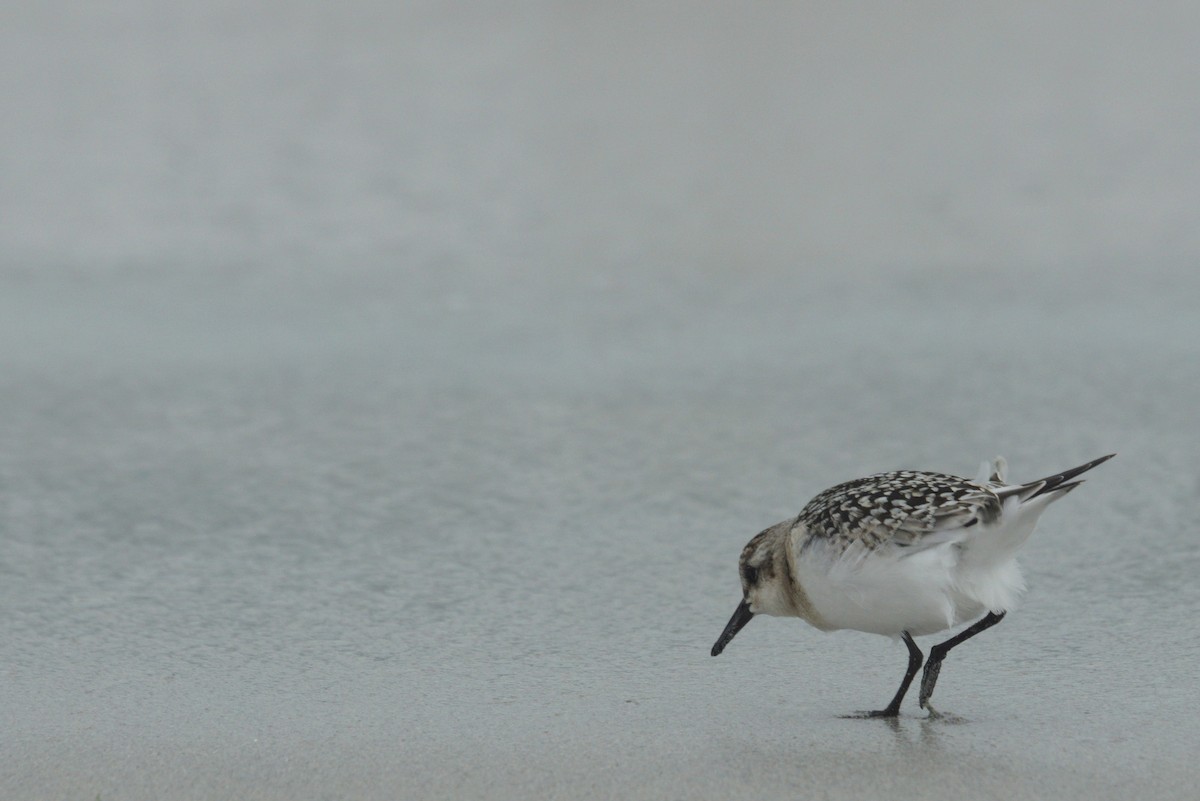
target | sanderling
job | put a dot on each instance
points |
(902, 554)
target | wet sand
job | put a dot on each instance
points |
(388, 392)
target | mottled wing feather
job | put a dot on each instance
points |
(901, 508)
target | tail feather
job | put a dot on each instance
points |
(1060, 483)
(1021, 505)
(1054, 482)
(993, 472)
(1062, 489)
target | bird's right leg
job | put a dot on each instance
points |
(938, 652)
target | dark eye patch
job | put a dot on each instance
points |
(750, 574)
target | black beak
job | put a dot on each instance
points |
(741, 616)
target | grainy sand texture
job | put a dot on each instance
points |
(387, 390)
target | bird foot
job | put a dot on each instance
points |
(877, 713)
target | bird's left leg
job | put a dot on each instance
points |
(914, 664)
(938, 652)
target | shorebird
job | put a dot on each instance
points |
(903, 554)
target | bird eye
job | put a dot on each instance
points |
(750, 574)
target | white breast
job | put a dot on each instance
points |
(879, 592)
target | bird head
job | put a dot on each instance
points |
(764, 572)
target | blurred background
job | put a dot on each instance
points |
(387, 388)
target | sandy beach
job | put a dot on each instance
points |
(387, 391)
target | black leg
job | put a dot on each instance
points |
(914, 664)
(938, 652)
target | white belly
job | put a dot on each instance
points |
(890, 591)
